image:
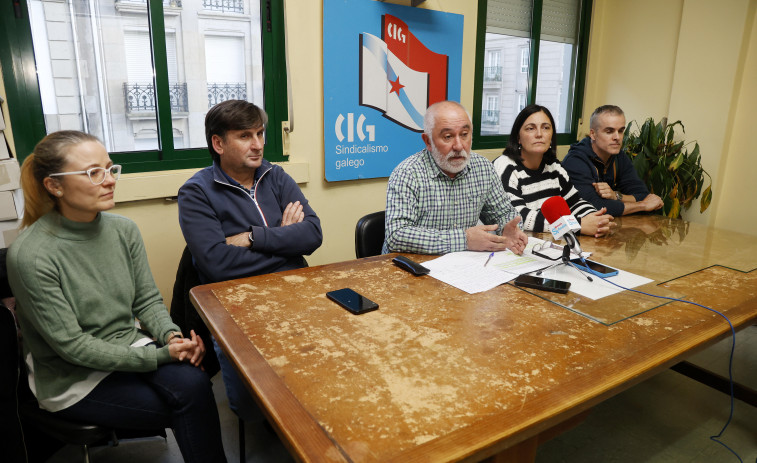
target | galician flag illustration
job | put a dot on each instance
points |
(399, 76)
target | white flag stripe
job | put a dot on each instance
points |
(415, 87)
(377, 65)
(374, 84)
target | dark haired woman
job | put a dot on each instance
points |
(531, 174)
(80, 277)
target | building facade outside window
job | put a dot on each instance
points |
(145, 96)
(543, 47)
(524, 59)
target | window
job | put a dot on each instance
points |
(543, 45)
(490, 115)
(524, 60)
(141, 78)
(493, 69)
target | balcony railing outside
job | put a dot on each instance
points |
(173, 3)
(218, 92)
(490, 116)
(140, 97)
(234, 6)
(493, 74)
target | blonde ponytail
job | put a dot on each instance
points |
(36, 200)
(49, 157)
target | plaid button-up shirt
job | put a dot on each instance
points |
(427, 212)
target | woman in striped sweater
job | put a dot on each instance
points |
(531, 174)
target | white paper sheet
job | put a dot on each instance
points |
(598, 288)
(469, 271)
(466, 271)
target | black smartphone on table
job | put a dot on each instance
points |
(545, 284)
(352, 301)
(600, 269)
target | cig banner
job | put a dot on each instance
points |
(383, 65)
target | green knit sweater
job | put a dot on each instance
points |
(78, 288)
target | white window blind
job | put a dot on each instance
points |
(513, 17)
(139, 58)
(559, 20)
(509, 17)
(224, 59)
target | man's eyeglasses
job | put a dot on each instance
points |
(96, 174)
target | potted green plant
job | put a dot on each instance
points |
(666, 166)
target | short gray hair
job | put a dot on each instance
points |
(429, 119)
(605, 109)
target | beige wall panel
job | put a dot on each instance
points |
(632, 54)
(706, 73)
(734, 187)
(158, 221)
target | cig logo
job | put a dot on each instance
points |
(395, 32)
(351, 128)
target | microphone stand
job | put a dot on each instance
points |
(565, 260)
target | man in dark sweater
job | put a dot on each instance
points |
(243, 216)
(604, 175)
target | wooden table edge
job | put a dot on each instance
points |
(297, 428)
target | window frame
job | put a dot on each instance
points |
(524, 57)
(28, 125)
(584, 25)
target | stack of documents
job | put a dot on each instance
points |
(473, 272)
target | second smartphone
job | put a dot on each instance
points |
(545, 284)
(600, 269)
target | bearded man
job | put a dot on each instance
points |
(436, 197)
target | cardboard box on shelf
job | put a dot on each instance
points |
(4, 153)
(18, 199)
(8, 209)
(9, 231)
(10, 175)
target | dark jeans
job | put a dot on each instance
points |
(240, 399)
(176, 395)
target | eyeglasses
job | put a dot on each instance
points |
(547, 250)
(96, 174)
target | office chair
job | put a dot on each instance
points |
(24, 412)
(369, 234)
(184, 314)
(33, 426)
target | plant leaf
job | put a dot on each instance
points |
(641, 164)
(667, 204)
(677, 161)
(679, 123)
(674, 191)
(675, 149)
(704, 203)
(695, 154)
(644, 134)
(660, 182)
(675, 209)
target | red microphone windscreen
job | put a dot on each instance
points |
(554, 208)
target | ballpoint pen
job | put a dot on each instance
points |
(488, 258)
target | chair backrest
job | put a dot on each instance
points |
(369, 234)
(185, 315)
(10, 425)
(9, 357)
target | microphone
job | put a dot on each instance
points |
(562, 223)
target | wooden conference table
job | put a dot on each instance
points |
(439, 375)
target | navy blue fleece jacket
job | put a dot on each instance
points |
(212, 208)
(585, 168)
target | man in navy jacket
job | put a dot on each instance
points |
(243, 216)
(602, 174)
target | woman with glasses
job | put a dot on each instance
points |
(80, 277)
(531, 174)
